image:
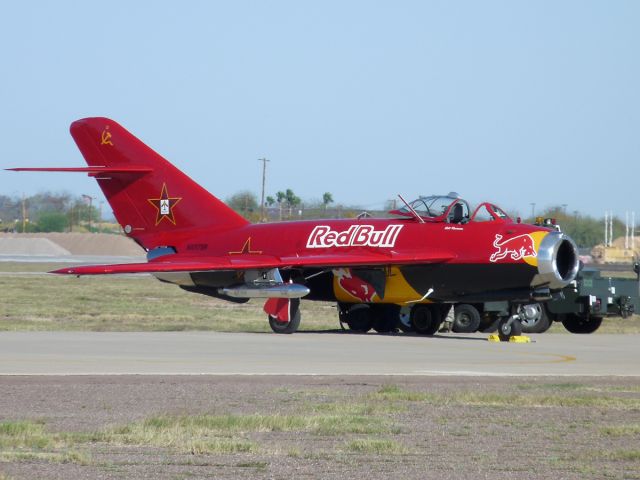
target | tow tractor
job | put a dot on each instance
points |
(580, 306)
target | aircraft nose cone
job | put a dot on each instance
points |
(558, 261)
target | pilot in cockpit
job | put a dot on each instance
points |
(457, 214)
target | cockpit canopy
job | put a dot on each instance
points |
(451, 209)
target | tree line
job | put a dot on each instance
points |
(48, 212)
(585, 230)
(286, 205)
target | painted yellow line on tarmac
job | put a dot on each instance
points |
(554, 358)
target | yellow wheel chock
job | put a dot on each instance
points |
(514, 339)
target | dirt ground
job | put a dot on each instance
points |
(265, 427)
(71, 243)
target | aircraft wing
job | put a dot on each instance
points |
(178, 263)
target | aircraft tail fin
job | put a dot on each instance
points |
(149, 196)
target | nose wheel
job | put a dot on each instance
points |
(509, 327)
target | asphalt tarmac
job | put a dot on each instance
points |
(320, 353)
(88, 259)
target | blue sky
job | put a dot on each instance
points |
(510, 101)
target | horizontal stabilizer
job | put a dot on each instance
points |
(151, 267)
(177, 263)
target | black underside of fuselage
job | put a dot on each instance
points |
(450, 282)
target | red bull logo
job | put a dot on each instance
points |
(516, 248)
(354, 286)
(324, 236)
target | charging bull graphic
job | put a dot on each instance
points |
(516, 247)
(355, 286)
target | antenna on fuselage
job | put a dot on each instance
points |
(413, 212)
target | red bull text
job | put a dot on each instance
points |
(324, 236)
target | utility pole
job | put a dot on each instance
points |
(610, 229)
(533, 211)
(24, 215)
(626, 230)
(100, 217)
(264, 177)
(90, 198)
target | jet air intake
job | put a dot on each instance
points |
(558, 261)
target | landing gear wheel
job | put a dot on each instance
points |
(536, 319)
(385, 318)
(358, 318)
(507, 330)
(425, 319)
(577, 324)
(404, 319)
(466, 319)
(489, 323)
(285, 327)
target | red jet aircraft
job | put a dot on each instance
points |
(380, 271)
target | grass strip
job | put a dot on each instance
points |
(375, 446)
(481, 399)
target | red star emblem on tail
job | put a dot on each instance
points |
(164, 205)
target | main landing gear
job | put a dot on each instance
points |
(421, 318)
(363, 317)
(284, 314)
(424, 319)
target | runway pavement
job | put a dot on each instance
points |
(89, 259)
(322, 353)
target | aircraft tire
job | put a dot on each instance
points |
(539, 323)
(582, 325)
(507, 330)
(425, 319)
(466, 319)
(489, 323)
(385, 318)
(404, 319)
(359, 318)
(287, 328)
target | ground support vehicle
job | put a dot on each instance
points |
(580, 307)
(594, 297)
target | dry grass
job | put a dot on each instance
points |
(34, 301)
(621, 430)
(227, 433)
(25, 434)
(583, 428)
(187, 434)
(558, 396)
(69, 456)
(376, 446)
(130, 303)
(29, 440)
